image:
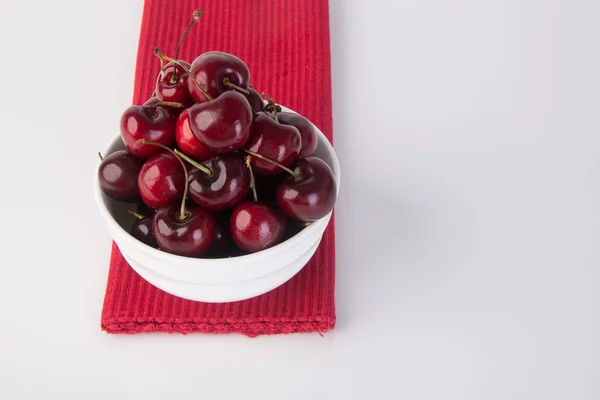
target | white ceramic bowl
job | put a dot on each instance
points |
(214, 280)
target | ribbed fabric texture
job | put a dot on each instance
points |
(285, 43)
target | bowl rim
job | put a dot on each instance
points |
(209, 262)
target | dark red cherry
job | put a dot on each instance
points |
(222, 124)
(211, 68)
(172, 84)
(161, 180)
(190, 236)
(186, 140)
(150, 123)
(306, 129)
(142, 230)
(152, 101)
(225, 187)
(255, 99)
(118, 173)
(313, 195)
(255, 227)
(279, 142)
(173, 111)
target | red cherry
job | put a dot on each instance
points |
(255, 227)
(279, 142)
(172, 84)
(149, 123)
(118, 173)
(210, 70)
(190, 236)
(255, 99)
(186, 140)
(224, 188)
(222, 124)
(142, 230)
(312, 195)
(161, 180)
(306, 129)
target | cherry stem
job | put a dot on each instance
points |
(182, 213)
(230, 84)
(252, 182)
(158, 53)
(195, 18)
(100, 155)
(271, 105)
(170, 104)
(162, 68)
(267, 159)
(195, 163)
(138, 216)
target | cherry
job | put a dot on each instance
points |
(172, 84)
(255, 100)
(224, 187)
(311, 193)
(152, 101)
(142, 230)
(222, 124)
(190, 235)
(187, 230)
(306, 129)
(217, 72)
(278, 142)
(172, 81)
(161, 180)
(118, 173)
(255, 227)
(151, 123)
(186, 140)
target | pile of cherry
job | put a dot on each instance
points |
(215, 169)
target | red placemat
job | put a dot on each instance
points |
(285, 43)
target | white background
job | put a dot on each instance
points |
(468, 225)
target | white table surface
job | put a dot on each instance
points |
(468, 225)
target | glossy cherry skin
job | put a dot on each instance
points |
(142, 230)
(161, 180)
(150, 123)
(187, 142)
(174, 89)
(279, 142)
(306, 129)
(255, 99)
(225, 188)
(118, 173)
(222, 124)
(313, 196)
(173, 111)
(210, 68)
(190, 237)
(255, 227)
